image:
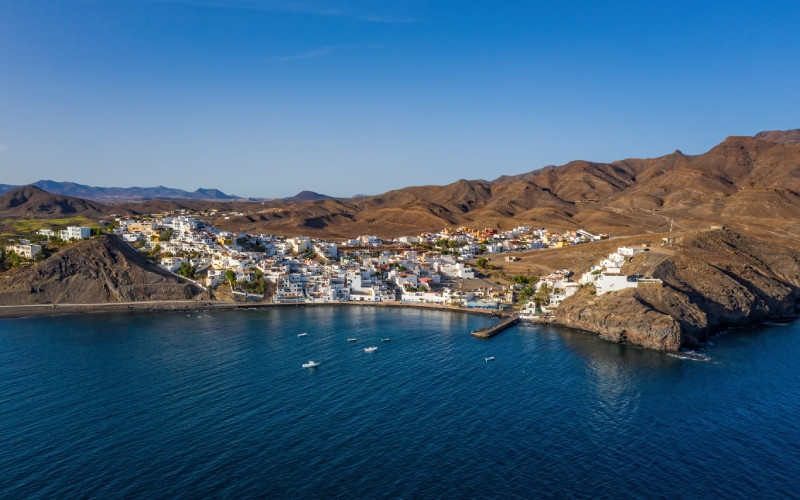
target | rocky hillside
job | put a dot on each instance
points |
(93, 271)
(714, 279)
(750, 183)
(31, 201)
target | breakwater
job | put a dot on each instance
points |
(491, 331)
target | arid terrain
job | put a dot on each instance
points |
(751, 184)
(748, 183)
(100, 270)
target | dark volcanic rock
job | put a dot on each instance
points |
(93, 271)
(621, 317)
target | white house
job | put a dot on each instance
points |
(607, 282)
(172, 263)
(27, 250)
(458, 270)
(628, 251)
(75, 233)
(300, 245)
(215, 277)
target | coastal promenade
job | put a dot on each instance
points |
(21, 311)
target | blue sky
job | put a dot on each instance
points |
(269, 97)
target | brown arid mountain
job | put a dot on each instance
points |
(712, 280)
(94, 271)
(31, 201)
(750, 183)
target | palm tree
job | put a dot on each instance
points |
(542, 295)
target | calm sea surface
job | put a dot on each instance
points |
(217, 404)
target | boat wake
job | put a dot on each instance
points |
(778, 323)
(690, 355)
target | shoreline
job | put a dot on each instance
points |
(52, 310)
(38, 310)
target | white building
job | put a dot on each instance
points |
(27, 250)
(458, 270)
(75, 233)
(172, 263)
(628, 251)
(607, 282)
(300, 245)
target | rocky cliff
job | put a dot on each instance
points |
(712, 280)
(92, 272)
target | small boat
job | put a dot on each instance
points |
(370, 349)
(302, 334)
(386, 340)
(351, 339)
(310, 364)
(490, 358)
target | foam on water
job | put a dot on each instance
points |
(691, 355)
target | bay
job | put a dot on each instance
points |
(218, 405)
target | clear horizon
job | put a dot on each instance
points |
(269, 98)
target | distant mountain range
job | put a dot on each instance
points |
(119, 194)
(751, 183)
(114, 194)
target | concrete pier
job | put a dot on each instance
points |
(491, 331)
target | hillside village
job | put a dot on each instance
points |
(431, 268)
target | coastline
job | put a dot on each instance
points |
(44, 310)
(35, 310)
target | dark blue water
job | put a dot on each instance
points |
(217, 404)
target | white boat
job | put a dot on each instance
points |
(386, 340)
(302, 334)
(310, 364)
(370, 349)
(351, 339)
(490, 358)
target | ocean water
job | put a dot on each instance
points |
(218, 405)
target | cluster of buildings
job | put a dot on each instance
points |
(556, 286)
(607, 275)
(69, 234)
(429, 268)
(24, 248)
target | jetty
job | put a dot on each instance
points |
(491, 331)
